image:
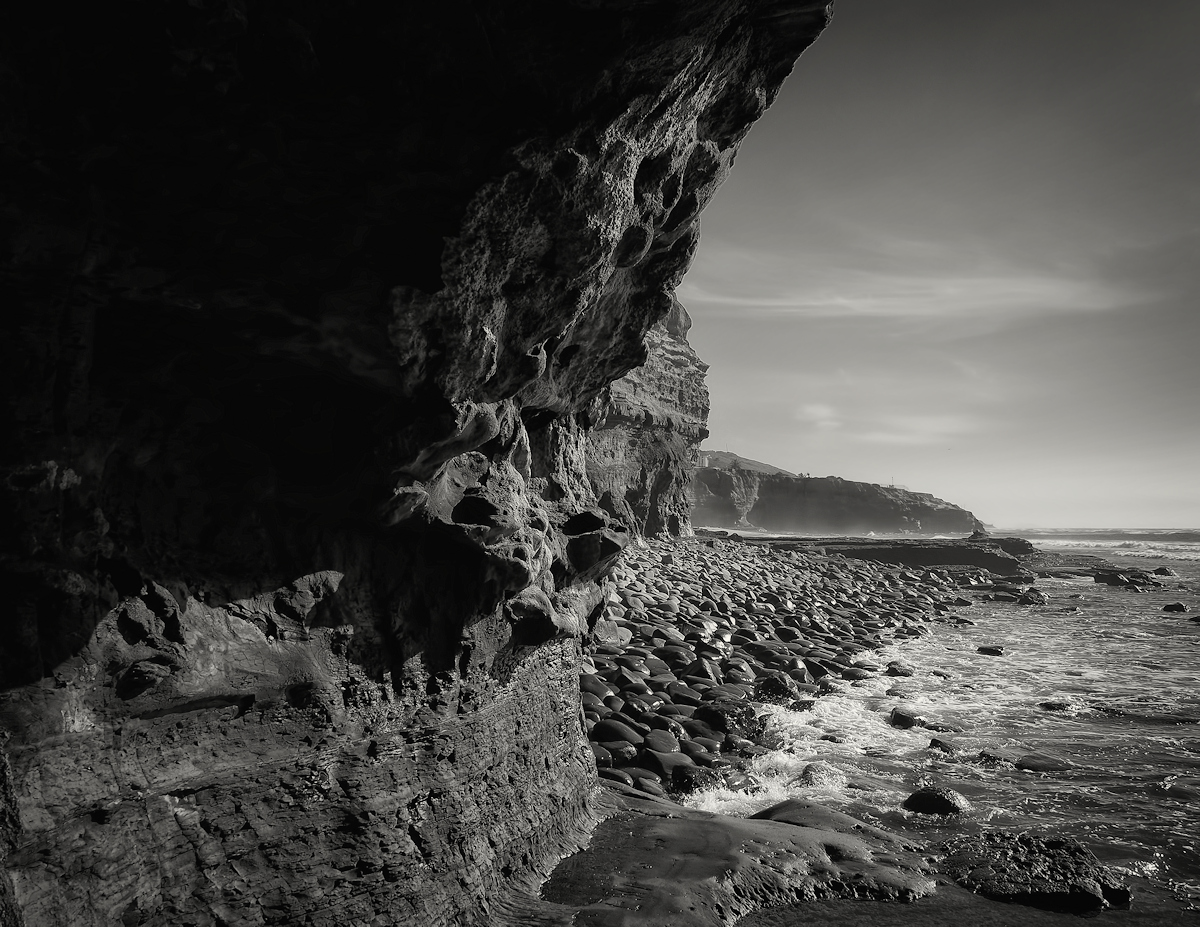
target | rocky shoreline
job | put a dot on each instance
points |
(697, 633)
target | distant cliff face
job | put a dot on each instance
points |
(736, 497)
(649, 427)
(307, 309)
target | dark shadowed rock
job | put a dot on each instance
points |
(731, 491)
(938, 801)
(1042, 762)
(727, 716)
(905, 718)
(1051, 873)
(776, 687)
(311, 313)
(994, 754)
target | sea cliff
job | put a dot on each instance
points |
(733, 493)
(308, 314)
(641, 454)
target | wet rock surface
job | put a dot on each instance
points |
(697, 633)
(1044, 872)
(938, 801)
(655, 863)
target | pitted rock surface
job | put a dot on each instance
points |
(308, 312)
(1044, 872)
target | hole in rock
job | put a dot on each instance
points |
(300, 695)
(475, 510)
(567, 354)
(632, 246)
(583, 522)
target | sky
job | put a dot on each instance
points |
(961, 253)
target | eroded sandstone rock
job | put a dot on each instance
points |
(642, 453)
(307, 314)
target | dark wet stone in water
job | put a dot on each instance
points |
(945, 744)
(687, 779)
(899, 668)
(821, 774)
(992, 650)
(1049, 873)
(996, 754)
(1175, 607)
(664, 722)
(904, 719)
(1042, 762)
(726, 716)
(937, 801)
(1055, 706)
(621, 751)
(776, 687)
(944, 728)
(616, 775)
(591, 703)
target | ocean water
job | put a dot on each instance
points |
(1100, 677)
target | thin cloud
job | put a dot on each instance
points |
(765, 284)
(918, 430)
(819, 415)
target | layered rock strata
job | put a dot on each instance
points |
(307, 310)
(736, 496)
(642, 451)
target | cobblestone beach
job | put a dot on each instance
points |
(701, 636)
(699, 630)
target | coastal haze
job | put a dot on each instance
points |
(959, 254)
